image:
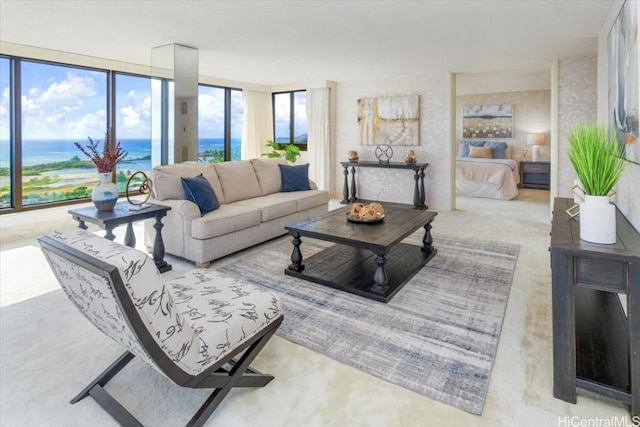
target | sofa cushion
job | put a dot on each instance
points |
(295, 178)
(271, 206)
(199, 191)
(167, 184)
(268, 174)
(310, 199)
(227, 219)
(238, 180)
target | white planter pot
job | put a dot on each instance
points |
(597, 220)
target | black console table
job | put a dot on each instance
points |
(418, 190)
(595, 346)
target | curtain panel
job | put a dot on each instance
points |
(258, 123)
(318, 143)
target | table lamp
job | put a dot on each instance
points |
(535, 139)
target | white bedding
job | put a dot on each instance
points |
(489, 178)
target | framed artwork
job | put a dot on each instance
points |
(623, 80)
(487, 121)
(391, 120)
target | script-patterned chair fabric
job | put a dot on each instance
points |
(184, 327)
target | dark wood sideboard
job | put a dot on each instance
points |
(595, 346)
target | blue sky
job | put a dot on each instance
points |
(60, 102)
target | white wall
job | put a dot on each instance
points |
(396, 185)
(531, 113)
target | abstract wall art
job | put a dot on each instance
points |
(623, 80)
(392, 120)
(487, 121)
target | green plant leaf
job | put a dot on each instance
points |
(596, 157)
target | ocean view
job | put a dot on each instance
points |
(50, 175)
(38, 152)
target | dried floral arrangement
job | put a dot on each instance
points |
(111, 153)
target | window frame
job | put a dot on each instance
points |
(292, 115)
(15, 125)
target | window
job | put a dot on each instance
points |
(133, 126)
(46, 107)
(290, 118)
(59, 105)
(5, 133)
(220, 119)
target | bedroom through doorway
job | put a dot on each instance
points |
(505, 136)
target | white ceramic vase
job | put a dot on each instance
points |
(597, 220)
(105, 194)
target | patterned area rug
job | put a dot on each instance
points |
(438, 336)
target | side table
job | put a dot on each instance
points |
(124, 213)
(535, 174)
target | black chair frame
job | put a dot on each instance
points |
(225, 374)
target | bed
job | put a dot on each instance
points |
(491, 174)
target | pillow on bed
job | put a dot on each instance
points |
(465, 145)
(498, 149)
(480, 152)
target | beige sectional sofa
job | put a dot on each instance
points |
(252, 208)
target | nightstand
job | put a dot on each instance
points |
(535, 174)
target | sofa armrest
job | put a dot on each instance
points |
(181, 214)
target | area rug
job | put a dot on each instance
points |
(438, 336)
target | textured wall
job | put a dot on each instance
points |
(577, 103)
(395, 185)
(531, 113)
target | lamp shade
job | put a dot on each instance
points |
(536, 139)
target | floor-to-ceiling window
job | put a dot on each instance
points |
(290, 118)
(220, 119)
(6, 111)
(59, 105)
(46, 107)
(133, 125)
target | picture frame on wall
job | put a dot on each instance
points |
(390, 120)
(623, 87)
(487, 121)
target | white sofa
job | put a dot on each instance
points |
(252, 208)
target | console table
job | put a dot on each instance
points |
(122, 213)
(595, 346)
(418, 190)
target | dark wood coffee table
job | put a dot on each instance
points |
(368, 259)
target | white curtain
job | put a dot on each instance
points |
(257, 128)
(318, 143)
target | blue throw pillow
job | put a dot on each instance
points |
(295, 178)
(199, 191)
(464, 150)
(497, 149)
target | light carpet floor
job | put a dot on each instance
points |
(438, 336)
(38, 376)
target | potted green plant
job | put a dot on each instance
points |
(289, 151)
(597, 159)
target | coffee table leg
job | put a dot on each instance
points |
(296, 255)
(427, 241)
(380, 278)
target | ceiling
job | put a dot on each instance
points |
(287, 42)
